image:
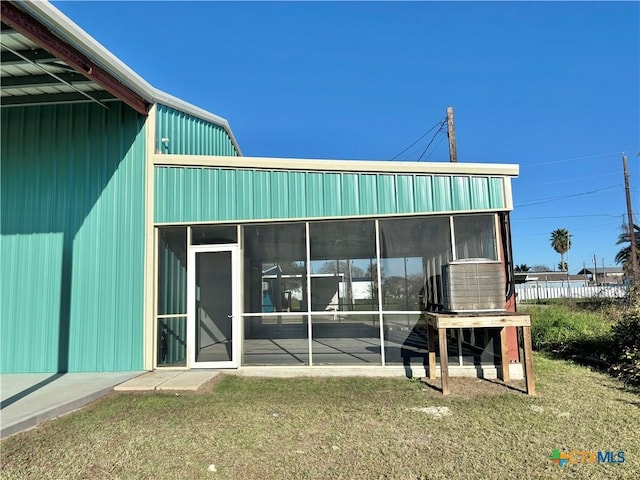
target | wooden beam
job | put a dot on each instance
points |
(431, 335)
(444, 361)
(504, 355)
(42, 36)
(507, 319)
(528, 360)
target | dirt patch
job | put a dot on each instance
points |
(435, 412)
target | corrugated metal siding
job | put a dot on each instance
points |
(496, 189)
(188, 194)
(297, 188)
(442, 200)
(461, 193)
(423, 193)
(405, 193)
(72, 232)
(189, 135)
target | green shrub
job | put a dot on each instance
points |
(604, 338)
(572, 333)
(556, 326)
(625, 351)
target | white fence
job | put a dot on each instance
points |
(543, 293)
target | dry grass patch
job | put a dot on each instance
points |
(341, 428)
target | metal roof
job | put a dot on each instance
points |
(48, 59)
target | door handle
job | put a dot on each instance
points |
(229, 316)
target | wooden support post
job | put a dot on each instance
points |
(528, 360)
(504, 355)
(444, 360)
(431, 333)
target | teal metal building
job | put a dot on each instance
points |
(135, 235)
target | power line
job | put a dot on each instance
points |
(568, 181)
(567, 216)
(439, 122)
(571, 159)
(589, 227)
(442, 124)
(412, 154)
(564, 197)
(442, 137)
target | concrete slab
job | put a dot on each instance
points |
(189, 381)
(31, 399)
(319, 371)
(148, 382)
(485, 371)
(169, 380)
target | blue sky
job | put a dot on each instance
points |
(551, 86)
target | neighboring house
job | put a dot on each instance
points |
(604, 275)
(135, 236)
(548, 279)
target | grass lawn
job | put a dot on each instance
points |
(351, 428)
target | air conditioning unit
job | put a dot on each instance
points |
(473, 285)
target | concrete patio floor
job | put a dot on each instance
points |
(29, 399)
(33, 398)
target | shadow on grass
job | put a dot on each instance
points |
(433, 384)
(627, 388)
(471, 387)
(506, 385)
(592, 353)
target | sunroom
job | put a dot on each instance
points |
(291, 262)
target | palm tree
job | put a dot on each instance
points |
(522, 268)
(624, 255)
(561, 243)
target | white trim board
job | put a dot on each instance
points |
(324, 165)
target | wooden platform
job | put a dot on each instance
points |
(441, 321)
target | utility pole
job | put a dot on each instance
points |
(453, 154)
(632, 231)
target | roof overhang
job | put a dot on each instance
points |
(63, 71)
(48, 59)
